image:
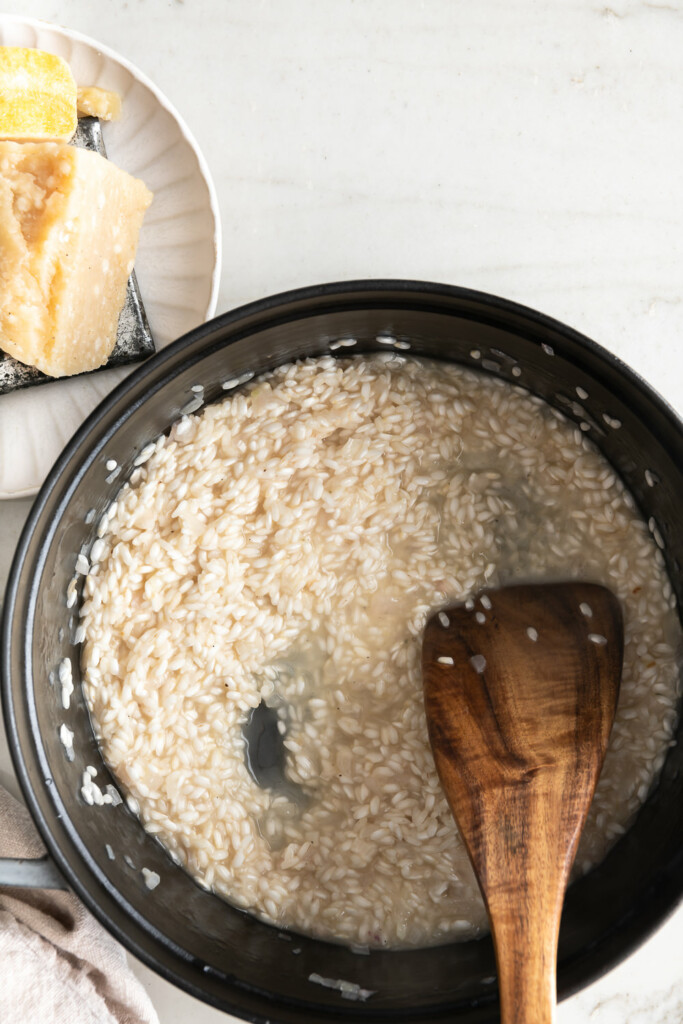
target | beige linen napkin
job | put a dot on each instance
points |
(57, 965)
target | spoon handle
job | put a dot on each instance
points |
(524, 881)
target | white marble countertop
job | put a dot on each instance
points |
(532, 149)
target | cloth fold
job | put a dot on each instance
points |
(57, 964)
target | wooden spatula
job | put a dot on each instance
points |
(520, 692)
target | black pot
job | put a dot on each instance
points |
(191, 937)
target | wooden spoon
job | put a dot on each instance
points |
(520, 693)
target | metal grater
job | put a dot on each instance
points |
(134, 340)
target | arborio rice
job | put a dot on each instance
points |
(287, 545)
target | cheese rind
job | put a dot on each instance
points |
(69, 225)
(37, 95)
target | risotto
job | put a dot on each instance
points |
(286, 546)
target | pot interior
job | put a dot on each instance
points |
(192, 937)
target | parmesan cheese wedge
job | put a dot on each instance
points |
(94, 102)
(37, 95)
(69, 225)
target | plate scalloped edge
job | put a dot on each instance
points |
(179, 255)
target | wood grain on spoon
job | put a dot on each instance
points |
(520, 694)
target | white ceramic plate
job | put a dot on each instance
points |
(178, 260)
